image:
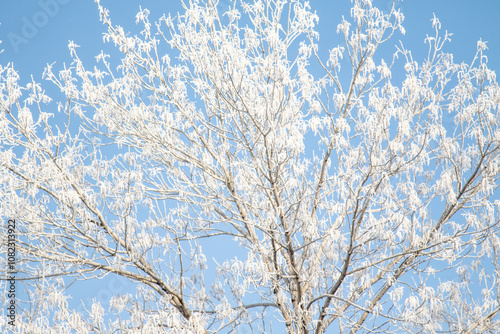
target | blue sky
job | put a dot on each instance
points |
(62, 20)
(35, 33)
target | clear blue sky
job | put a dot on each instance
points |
(35, 33)
(31, 49)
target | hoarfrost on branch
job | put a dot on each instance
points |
(245, 177)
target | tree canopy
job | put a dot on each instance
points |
(245, 183)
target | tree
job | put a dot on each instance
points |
(342, 199)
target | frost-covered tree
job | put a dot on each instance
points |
(245, 183)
